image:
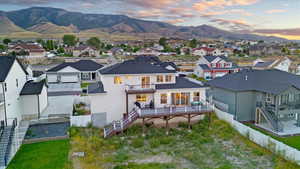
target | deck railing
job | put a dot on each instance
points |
(172, 110)
(140, 87)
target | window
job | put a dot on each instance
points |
(168, 78)
(268, 98)
(117, 80)
(160, 78)
(5, 87)
(284, 99)
(141, 98)
(196, 97)
(17, 83)
(163, 99)
(180, 98)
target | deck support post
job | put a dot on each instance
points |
(143, 127)
(167, 125)
(189, 121)
(209, 119)
(127, 103)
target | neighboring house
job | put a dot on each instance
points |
(85, 51)
(145, 82)
(203, 51)
(270, 98)
(148, 51)
(20, 99)
(73, 72)
(210, 67)
(29, 50)
(116, 51)
(280, 64)
(264, 49)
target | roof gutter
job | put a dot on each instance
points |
(5, 113)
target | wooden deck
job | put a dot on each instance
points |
(166, 114)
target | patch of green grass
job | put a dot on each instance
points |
(145, 166)
(293, 141)
(44, 155)
(84, 85)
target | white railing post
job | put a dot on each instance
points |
(155, 111)
(114, 125)
(121, 124)
(185, 108)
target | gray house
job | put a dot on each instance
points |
(270, 98)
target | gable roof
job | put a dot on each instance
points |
(210, 58)
(181, 83)
(82, 65)
(269, 81)
(29, 47)
(32, 88)
(263, 64)
(83, 47)
(6, 63)
(140, 65)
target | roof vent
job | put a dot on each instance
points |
(246, 77)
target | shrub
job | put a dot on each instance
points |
(154, 143)
(137, 142)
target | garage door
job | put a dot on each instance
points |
(52, 78)
(69, 78)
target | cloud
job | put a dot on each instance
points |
(272, 11)
(232, 24)
(223, 12)
(290, 32)
(205, 5)
(175, 21)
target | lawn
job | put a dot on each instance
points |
(84, 85)
(215, 147)
(293, 141)
(44, 155)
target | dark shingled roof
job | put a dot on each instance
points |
(32, 88)
(6, 63)
(263, 64)
(181, 83)
(212, 58)
(96, 88)
(135, 67)
(206, 67)
(82, 65)
(269, 81)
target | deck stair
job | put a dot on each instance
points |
(6, 141)
(271, 119)
(120, 125)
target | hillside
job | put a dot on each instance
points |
(7, 27)
(50, 28)
(46, 20)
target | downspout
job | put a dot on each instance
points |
(39, 109)
(5, 112)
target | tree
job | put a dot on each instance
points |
(2, 48)
(6, 41)
(193, 43)
(95, 42)
(60, 50)
(70, 40)
(162, 41)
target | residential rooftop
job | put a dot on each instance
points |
(82, 65)
(269, 81)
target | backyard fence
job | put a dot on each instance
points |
(261, 139)
(81, 121)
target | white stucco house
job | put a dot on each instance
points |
(20, 98)
(141, 82)
(73, 72)
(282, 64)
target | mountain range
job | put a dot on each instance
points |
(45, 20)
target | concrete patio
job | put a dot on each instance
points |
(289, 128)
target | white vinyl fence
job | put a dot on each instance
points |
(81, 121)
(261, 139)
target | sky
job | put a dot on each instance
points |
(268, 17)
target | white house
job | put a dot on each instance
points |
(147, 83)
(19, 98)
(203, 51)
(210, 67)
(73, 72)
(282, 64)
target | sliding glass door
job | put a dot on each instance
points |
(180, 98)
